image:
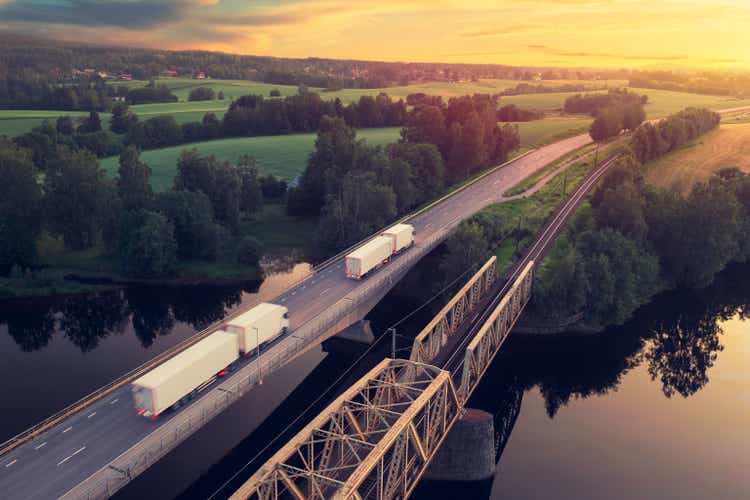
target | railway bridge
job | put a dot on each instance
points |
(376, 440)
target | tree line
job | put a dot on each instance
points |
(149, 233)
(653, 140)
(592, 104)
(512, 113)
(636, 240)
(85, 93)
(355, 188)
(704, 82)
(465, 131)
(247, 116)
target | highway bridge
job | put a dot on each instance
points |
(96, 446)
(376, 440)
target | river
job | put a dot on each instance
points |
(657, 408)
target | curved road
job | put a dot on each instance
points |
(58, 460)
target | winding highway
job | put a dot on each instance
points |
(90, 441)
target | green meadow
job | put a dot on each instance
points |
(284, 156)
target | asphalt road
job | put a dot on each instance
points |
(52, 464)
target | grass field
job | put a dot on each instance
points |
(729, 146)
(281, 155)
(540, 132)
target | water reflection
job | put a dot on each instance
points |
(674, 341)
(86, 320)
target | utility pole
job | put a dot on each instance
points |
(393, 342)
(565, 182)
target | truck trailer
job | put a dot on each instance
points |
(259, 325)
(177, 379)
(369, 256)
(402, 236)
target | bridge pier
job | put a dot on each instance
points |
(468, 452)
(358, 332)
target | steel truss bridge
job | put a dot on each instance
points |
(376, 440)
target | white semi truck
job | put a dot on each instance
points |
(402, 236)
(180, 378)
(259, 325)
(378, 250)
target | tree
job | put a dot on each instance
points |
(360, 207)
(187, 210)
(210, 127)
(427, 167)
(122, 118)
(226, 195)
(20, 214)
(76, 189)
(466, 247)
(426, 124)
(251, 197)
(91, 124)
(249, 251)
(275, 93)
(65, 125)
(333, 156)
(220, 95)
(607, 124)
(202, 94)
(134, 180)
(148, 248)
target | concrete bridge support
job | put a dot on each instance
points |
(468, 452)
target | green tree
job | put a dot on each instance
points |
(65, 125)
(202, 94)
(91, 124)
(226, 196)
(134, 180)
(251, 198)
(464, 249)
(427, 168)
(187, 210)
(20, 214)
(249, 251)
(122, 118)
(76, 188)
(148, 248)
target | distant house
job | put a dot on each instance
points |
(102, 74)
(169, 72)
(118, 98)
(201, 76)
(89, 71)
(125, 76)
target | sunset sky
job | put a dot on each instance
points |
(632, 33)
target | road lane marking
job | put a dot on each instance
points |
(79, 450)
(66, 430)
(283, 300)
(294, 292)
(324, 291)
(11, 463)
(91, 415)
(114, 401)
(40, 446)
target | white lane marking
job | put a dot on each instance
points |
(11, 463)
(66, 430)
(324, 291)
(40, 446)
(496, 183)
(79, 450)
(114, 401)
(91, 415)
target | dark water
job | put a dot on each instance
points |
(658, 408)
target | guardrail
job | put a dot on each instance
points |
(128, 377)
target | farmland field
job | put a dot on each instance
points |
(282, 155)
(542, 131)
(729, 146)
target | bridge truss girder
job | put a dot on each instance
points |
(373, 442)
(485, 345)
(435, 335)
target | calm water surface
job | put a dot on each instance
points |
(658, 408)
